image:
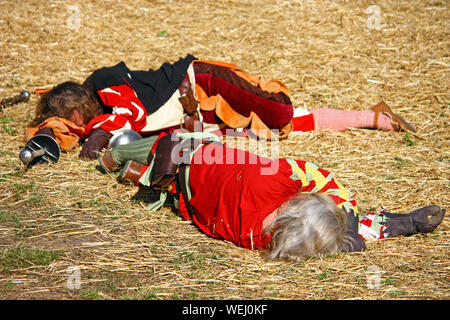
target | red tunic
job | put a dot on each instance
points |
(231, 200)
(232, 191)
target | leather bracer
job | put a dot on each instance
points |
(169, 155)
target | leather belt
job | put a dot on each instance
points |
(182, 183)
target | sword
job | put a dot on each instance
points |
(39, 149)
(24, 96)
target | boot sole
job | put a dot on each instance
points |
(434, 215)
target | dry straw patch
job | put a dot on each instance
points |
(327, 54)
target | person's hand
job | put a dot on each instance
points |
(352, 220)
(353, 242)
(96, 141)
(46, 132)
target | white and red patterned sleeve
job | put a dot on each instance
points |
(127, 111)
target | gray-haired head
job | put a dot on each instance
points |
(306, 225)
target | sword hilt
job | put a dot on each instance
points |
(24, 96)
(39, 149)
(27, 155)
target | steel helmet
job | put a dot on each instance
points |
(123, 137)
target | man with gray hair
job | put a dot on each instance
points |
(295, 211)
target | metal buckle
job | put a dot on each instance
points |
(184, 115)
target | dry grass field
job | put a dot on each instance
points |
(65, 220)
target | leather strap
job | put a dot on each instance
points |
(190, 105)
(375, 119)
(182, 183)
(185, 85)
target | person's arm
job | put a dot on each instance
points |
(354, 240)
(66, 133)
(127, 113)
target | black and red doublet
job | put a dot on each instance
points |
(227, 193)
(148, 101)
(228, 97)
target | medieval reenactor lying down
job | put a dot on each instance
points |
(290, 208)
(218, 94)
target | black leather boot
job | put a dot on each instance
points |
(418, 221)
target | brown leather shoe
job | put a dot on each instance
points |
(398, 123)
(107, 162)
(130, 173)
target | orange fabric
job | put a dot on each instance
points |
(235, 120)
(67, 134)
(41, 91)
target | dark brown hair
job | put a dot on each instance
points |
(62, 100)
